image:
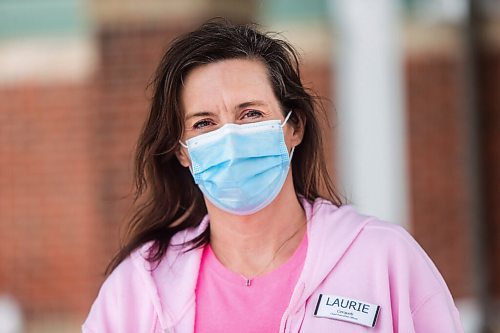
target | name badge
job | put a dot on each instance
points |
(347, 309)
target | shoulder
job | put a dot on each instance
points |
(377, 242)
(129, 277)
(131, 297)
(122, 303)
(392, 249)
(373, 232)
(413, 274)
(396, 243)
(393, 244)
(390, 235)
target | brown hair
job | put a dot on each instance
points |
(169, 199)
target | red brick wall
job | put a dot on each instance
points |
(48, 223)
(438, 196)
(490, 144)
(65, 177)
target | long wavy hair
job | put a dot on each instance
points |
(166, 197)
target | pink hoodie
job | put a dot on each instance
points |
(359, 258)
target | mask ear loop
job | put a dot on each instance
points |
(286, 118)
(291, 153)
(284, 122)
(185, 146)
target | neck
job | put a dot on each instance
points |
(253, 245)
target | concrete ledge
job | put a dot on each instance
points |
(47, 60)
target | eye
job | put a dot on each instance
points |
(252, 114)
(202, 123)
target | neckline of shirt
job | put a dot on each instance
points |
(295, 261)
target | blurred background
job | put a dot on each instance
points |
(412, 87)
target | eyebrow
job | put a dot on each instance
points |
(199, 114)
(251, 103)
(238, 107)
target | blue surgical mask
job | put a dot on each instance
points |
(241, 168)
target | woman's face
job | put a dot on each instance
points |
(229, 91)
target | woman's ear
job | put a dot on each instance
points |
(182, 156)
(297, 125)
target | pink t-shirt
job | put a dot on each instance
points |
(224, 303)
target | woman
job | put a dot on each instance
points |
(233, 234)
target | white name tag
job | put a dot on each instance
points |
(347, 309)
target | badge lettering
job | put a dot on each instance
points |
(347, 309)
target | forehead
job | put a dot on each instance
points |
(226, 83)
